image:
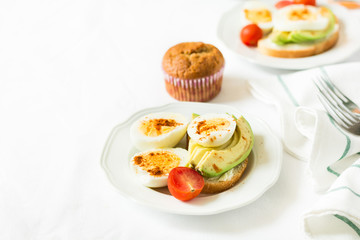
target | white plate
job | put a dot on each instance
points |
(262, 172)
(349, 42)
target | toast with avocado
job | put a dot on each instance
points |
(302, 42)
(223, 166)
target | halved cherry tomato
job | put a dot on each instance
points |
(282, 4)
(185, 183)
(306, 2)
(251, 34)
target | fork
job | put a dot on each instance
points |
(344, 111)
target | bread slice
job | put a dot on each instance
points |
(293, 50)
(225, 181)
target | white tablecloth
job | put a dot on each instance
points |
(72, 70)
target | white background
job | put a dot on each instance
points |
(69, 72)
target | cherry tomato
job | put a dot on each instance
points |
(251, 34)
(282, 4)
(185, 183)
(306, 2)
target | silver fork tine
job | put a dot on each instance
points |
(335, 90)
(342, 97)
(330, 107)
(333, 114)
(333, 98)
(336, 107)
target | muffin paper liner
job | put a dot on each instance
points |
(195, 90)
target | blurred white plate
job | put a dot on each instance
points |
(229, 28)
(262, 172)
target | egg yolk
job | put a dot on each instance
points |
(156, 127)
(323, 11)
(258, 15)
(301, 14)
(157, 163)
(216, 124)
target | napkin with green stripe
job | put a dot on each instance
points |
(310, 134)
(337, 214)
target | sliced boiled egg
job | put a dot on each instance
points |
(297, 17)
(211, 130)
(158, 130)
(152, 167)
(258, 13)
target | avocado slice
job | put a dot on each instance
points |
(235, 139)
(197, 151)
(297, 37)
(216, 162)
(280, 38)
(318, 35)
(304, 36)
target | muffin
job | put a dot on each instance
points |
(193, 71)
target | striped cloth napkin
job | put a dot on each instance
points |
(337, 214)
(311, 135)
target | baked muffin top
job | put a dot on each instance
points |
(190, 60)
